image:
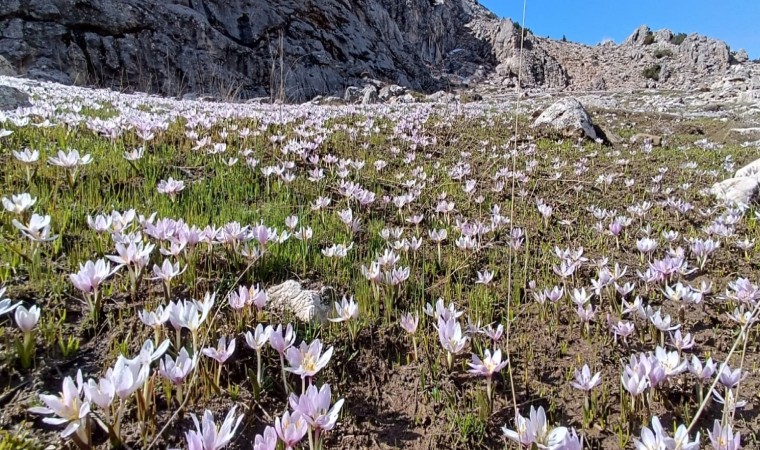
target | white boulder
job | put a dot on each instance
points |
(307, 305)
(736, 190)
(569, 117)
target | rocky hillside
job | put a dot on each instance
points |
(303, 48)
(646, 59)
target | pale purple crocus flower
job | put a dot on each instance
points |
(256, 341)
(308, 360)
(17, 204)
(730, 403)
(149, 352)
(127, 376)
(166, 272)
(723, 438)
(703, 372)
(493, 333)
(633, 382)
(88, 280)
(580, 297)
(656, 438)
(91, 275)
(101, 393)
(586, 314)
(623, 329)
(237, 300)
(190, 314)
(682, 441)
(314, 407)
(346, 309)
(730, 378)
(409, 322)
(487, 367)
(70, 161)
(27, 319)
(171, 187)
(681, 342)
(291, 428)
(442, 312)
(281, 342)
(530, 430)
(6, 305)
(451, 338)
(27, 156)
(266, 440)
(100, 223)
(484, 277)
(177, 371)
(258, 297)
(207, 436)
(223, 351)
(68, 407)
(670, 362)
(37, 229)
(584, 380)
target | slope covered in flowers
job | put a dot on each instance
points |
(484, 288)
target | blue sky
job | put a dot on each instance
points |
(735, 21)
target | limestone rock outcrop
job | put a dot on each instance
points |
(295, 50)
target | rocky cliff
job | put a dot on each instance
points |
(302, 48)
(646, 59)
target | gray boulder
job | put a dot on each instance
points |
(12, 98)
(569, 117)
(392, 90)
(6, 69)
(741, 56)
(441, 97)
(352, 95)
(404, 99)
(369, 95)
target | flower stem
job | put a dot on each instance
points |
(284, 375)
(258, 368)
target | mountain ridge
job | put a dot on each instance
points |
(301, 49)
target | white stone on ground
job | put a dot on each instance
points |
(736, 190)
(307, 305)
(567, 116)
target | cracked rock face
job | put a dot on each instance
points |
(299, 49)
(229, 47)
